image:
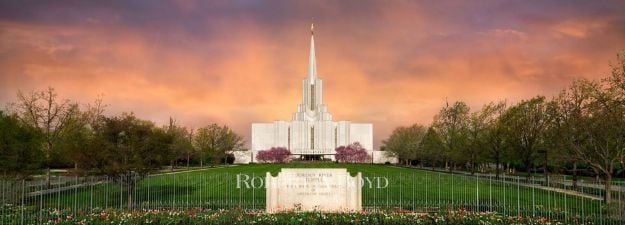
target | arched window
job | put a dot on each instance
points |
(312, 97)
(312, 138)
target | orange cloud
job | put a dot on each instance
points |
(391, 64)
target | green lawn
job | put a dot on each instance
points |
(409, 189)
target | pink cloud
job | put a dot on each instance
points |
(392, 71)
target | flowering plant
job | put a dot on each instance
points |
(275, 154)
(353, 153)
(204, 216)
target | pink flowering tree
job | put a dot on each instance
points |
(353, 153)
(275, 154)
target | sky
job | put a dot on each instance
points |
(391, 63)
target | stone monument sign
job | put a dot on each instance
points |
(326, 190)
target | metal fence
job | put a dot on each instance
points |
(37, 201)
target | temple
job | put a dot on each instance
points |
(311, 134)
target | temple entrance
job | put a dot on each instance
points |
(312, 157)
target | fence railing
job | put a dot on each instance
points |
(37, 201)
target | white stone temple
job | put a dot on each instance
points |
(311, 134)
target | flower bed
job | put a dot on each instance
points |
(301, 218)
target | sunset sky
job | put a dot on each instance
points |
(391, 63)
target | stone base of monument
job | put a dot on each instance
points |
(323, 190)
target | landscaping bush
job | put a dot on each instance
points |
(238, 217)
(275, 154)
(353, 153)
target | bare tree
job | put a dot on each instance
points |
(46, 112)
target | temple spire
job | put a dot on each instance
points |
(312, 61)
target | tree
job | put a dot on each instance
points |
(431, 146)
(476, 135)
(404, 142)
(594, 121)
(352, 153)
(451, 125)
(603, 148)
(525, 126)
(75, 146)
(214, 141)
(44, 111)
(616, 86)
(20, 148)
(130, 149)
(79, 134)
(567, 112)
(274, 154)
(494, 135)
(182, 146)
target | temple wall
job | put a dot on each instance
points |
(328, 135)
(363, 133)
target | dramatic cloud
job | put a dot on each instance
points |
(391, 63)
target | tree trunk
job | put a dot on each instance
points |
(472, 167)
(187, 161)
(545, 172)
(575, 175)
(48, 177)
(497, 162)
(528, 170)
(608, 188)
(47, 161)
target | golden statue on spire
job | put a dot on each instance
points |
(312, 27)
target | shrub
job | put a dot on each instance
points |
(353, 153)
(234, 217)
(275, 154)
